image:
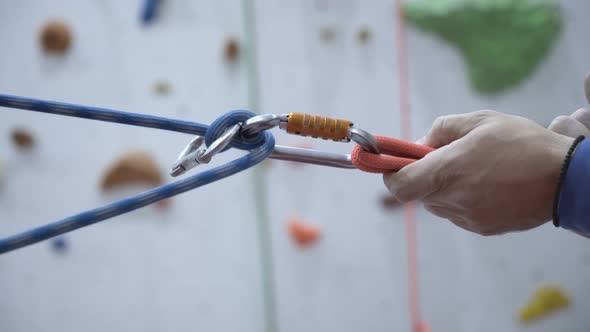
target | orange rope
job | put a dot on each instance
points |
(394, 154)
(409, 208)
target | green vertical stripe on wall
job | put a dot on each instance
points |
(263, 220)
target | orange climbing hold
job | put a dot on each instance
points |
(304, 234)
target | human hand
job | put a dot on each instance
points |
(576, 124)
(492, 173)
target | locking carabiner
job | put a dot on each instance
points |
(294, 123)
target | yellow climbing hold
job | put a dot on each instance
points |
(545, 301)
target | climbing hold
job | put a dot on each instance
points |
(231, 50)
(55, 37)
(327, 33)
(304, 234)
(364, 35)
(59, 244)
(502, 41)
(162, 88)
(163, 204)
(149, 10)
(545, 301)
(22, 138)
(133, 167)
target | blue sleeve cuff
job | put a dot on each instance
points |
(573, 208)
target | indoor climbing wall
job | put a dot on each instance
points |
(187, 264)
(286, 247)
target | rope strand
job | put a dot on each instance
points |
(261, 147)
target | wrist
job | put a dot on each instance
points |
(564, 188)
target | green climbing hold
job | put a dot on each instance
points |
(503, 41)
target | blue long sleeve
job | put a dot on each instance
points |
(573, 209)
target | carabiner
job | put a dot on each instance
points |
(315, 126)
(293, 123)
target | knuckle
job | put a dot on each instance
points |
(485, 113)
(580, 112)
(560, 124)
(563, 119)
(582, 115)
(439, 122)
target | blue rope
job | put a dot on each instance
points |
(102, 114)
(260, 145)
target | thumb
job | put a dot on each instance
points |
(425, 176)
(449, 128)
(418, 179)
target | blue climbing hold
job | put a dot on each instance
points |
(59, 244)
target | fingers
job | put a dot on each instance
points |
(418, 179)
(568, 126)
(583, 116)
(574, 125)
(447, 129)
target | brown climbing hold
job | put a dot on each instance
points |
(364, 35)
(327, 33)
(231, 50)
(22, 138)
(304, 234)
(133, 167)
(162, 88)
(55, 37)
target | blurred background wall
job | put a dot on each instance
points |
(219, 258)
